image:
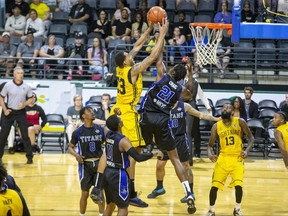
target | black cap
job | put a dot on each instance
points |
(30, 32)
(17, 6)
(78, 35)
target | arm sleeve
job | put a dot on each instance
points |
(25, 207)
(139, 157)
(202, 97)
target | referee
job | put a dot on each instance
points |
(16, 92)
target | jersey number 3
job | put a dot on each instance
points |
(121, 86)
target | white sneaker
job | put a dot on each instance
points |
(237, 212)
(204, 70)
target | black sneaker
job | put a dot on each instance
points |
(35, 149)
(29, 161)
(211, 213)
(237, 212)
(156, 193)
(96, 196)
(11, 150)
(184, 199)
(137, 202)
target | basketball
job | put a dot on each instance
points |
(156, 14)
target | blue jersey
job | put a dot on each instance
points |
(177, 119)
(161, 96)
(115, 158)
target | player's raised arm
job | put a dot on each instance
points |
(161, 69)
(142, 66)
(141, 41)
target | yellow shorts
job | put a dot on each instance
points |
(131, 128)
(225, 166)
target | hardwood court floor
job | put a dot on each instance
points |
(51, 187)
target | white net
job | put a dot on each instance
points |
(206, 42)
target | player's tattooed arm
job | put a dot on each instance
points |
(249, 136)
(133, 53)
(211, 142)
(141, 67)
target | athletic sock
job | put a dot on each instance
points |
(159, 185)
(238, 206)
(186, 187)
(212, 208)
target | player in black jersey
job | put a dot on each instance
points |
(156, 107)
(115, 178)
(89, 140)
(178, 126)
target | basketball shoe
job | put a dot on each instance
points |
(96, 196)
(237, 212)
(211, 213)
(156, 192)
(137, 202)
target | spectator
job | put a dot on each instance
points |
(121, 4)
(121, 29)
(7, 50)
(77, 50)
(153, 41)
(282, 10)
(239, 108)
(80, 12)
(102, 27)
(42, 9)
(34, 25)
(161, 3)
(177, 43)
(15, 24)
(27, 52)
(43, 12)
(195, 2)
(33, 114)
(182, 25)
(143, 10)
(102, 113)
(284, 106)
(251, 106)
(200, 39)
(270, 4)
(73, 116)
(139, 24)
(135, 36)
(97, 59)
(223, 16)
(246, 14)
(53, 66)
(223, 56)
(24, 7)
(12, 201)
(66, 5)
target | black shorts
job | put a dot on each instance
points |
(182, 143)
(116, 186)
(157, 124)
(87, 174)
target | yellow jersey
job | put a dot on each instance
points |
(127, 93)
(11, 202)
(41, 9)
(284, 131)
(230, 137)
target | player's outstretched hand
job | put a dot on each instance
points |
(163, 28)
(158, 154)
(243, 154)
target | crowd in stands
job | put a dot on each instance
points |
(68, 28)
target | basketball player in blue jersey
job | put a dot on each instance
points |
(89, 140)
(231, 158)
(115, 179)
(156, 106)
(178, 126)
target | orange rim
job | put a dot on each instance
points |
(214, 26)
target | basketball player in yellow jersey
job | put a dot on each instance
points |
(129, 88)
(11, 202)
(231, 158)
(281, 134)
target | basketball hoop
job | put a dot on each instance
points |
(206, 37)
